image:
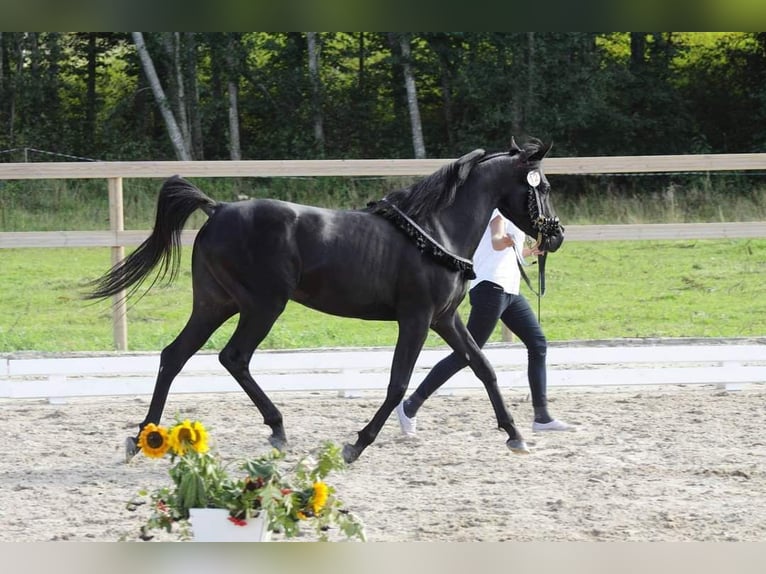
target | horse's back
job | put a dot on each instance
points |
(342, 262)
(262, 224)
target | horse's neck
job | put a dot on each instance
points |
(460, 226)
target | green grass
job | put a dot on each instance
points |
(596, 290)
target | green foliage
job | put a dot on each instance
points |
(85, 94)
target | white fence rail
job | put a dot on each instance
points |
(353, 370)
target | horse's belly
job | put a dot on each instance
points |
(345, 305)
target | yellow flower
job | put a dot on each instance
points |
(188, 435)
(200, 445)
(153, 441)
(321, 491)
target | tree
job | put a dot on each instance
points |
(172, 42)
(448, 49)
(232, 89)
(192, 92)
(90, 99)
(412, 97)
(13, 66)
(371, 94)
(729, 78)
(174, 132)
(312, 39)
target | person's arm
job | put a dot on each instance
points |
(500, 239)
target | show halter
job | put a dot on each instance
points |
(545, 226)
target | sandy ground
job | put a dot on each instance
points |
(645, 464)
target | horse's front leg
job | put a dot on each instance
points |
(455, 333)
(412, 336)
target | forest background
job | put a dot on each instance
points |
(263, 95)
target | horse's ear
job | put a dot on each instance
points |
(541, 152)
(514, 146)
(466, 163)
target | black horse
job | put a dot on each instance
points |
(405, 258)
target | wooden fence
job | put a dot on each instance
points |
(117, 237)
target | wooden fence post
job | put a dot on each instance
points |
(116, 225)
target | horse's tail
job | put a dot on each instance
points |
(178, 199)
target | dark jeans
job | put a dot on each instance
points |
(488, 304)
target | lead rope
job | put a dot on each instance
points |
(540, 279)
(540, 291)
(540, 283)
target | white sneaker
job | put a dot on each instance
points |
(407, 424)
(554, 425)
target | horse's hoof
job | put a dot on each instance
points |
(517, 446)
(278, 442)
(350, 453)
(131, 449)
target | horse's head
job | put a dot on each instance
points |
(526, 198)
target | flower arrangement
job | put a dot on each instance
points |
(289, 498)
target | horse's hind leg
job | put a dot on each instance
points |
(457, 336)
(198, 329)
(252, 328)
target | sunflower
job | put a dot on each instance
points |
(153, 441)
(200, 444)
(321, 492)
(187, 435)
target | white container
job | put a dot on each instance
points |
(213, 525)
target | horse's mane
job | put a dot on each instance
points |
(434, 192)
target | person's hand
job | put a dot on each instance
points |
(534, 250)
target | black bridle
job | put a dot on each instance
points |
(545, 226)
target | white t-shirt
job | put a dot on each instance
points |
(499, 267)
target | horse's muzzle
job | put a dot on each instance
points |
(551, 232)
